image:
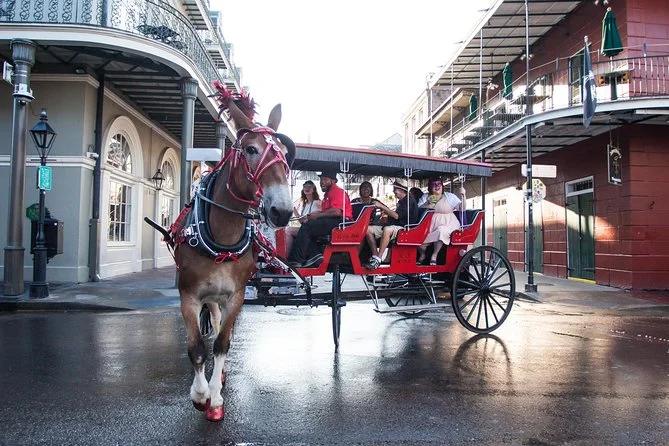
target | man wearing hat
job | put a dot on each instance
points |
(336, 203)
(406, 212)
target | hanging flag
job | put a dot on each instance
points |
(589, 93)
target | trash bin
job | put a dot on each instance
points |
(53, 236)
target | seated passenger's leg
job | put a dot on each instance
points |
(298, 252)
(437, 247)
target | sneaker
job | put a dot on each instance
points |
(372, 263)
(295, 264)
(314, 261)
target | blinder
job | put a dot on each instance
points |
(290, 145)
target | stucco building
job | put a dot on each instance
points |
(125, 85)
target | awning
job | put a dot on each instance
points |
(315, 158)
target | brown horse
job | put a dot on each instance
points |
(252, 175)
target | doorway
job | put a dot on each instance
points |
(499, 225)
(580, 229)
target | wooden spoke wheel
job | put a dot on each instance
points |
(336, 305)
(407, 298)
(483, 289)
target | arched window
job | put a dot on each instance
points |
(167, 170)
(119, 156)
(118, 153)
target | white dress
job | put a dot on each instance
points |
(444, 222)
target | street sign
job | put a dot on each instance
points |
(540, 170)
(8, 73)
(538, 190)
(44, 178)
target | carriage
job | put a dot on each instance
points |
(218, 248)
(478, 282)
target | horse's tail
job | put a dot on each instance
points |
(167, 237)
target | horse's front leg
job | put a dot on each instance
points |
(215, 318)
(221, 348)
(199, 390)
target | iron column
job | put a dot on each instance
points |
(529, 245)
(23, 53)
(189, 94)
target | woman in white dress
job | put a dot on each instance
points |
(444, 221)
(308, 203)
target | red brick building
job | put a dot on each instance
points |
(593, 223)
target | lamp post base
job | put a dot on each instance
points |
(531, 287)
(39, 290)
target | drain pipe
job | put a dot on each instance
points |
(94, 224)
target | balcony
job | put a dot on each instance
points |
(150, 83)
(617, 80)
(152, 19)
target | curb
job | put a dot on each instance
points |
(529, 297)
(36, 305)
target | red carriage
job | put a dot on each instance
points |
(480, 279)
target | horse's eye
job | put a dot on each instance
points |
(251, 150)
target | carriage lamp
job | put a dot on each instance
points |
(158, 179)
(43, 136)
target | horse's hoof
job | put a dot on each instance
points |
(215, 413)
(202, 406)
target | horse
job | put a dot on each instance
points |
(216, 242)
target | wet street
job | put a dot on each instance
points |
(552, 374)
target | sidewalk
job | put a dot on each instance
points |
(155, 288)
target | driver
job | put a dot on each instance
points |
(336, 202)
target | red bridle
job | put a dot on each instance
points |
(271, 155)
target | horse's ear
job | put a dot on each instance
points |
(239, 119)
(274, 117)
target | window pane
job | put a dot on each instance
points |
(118, 153)
(119, 212)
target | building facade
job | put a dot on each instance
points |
(603, 216)
(126, 86)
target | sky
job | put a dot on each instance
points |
(344, 72)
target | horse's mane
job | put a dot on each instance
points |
(241, 100)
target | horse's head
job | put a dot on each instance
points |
(261, 165)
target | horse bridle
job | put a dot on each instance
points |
(237, 157)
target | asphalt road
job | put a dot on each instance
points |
(550, 375)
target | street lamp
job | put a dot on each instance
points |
(158, 179)
(43, 136)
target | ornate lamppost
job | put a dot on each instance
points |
(43, 136)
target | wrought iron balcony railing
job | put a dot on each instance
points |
(617, 79)
(153, 19)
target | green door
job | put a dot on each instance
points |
(538, 232)
(580, 236)
(500, 234)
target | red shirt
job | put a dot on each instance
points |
(338, 199)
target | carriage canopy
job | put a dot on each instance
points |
(311, 157)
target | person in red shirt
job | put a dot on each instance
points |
(336, 202)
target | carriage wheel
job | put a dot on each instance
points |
(483, 289)
(408, 301)
(336, 308)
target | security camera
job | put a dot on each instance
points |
(92, 155)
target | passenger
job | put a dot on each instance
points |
(406, 204)
(365, 190)
(453, 199)
(416, 193)
(335, 204)
(309, 202)
(444, 221)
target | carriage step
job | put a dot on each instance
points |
(406, 308)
